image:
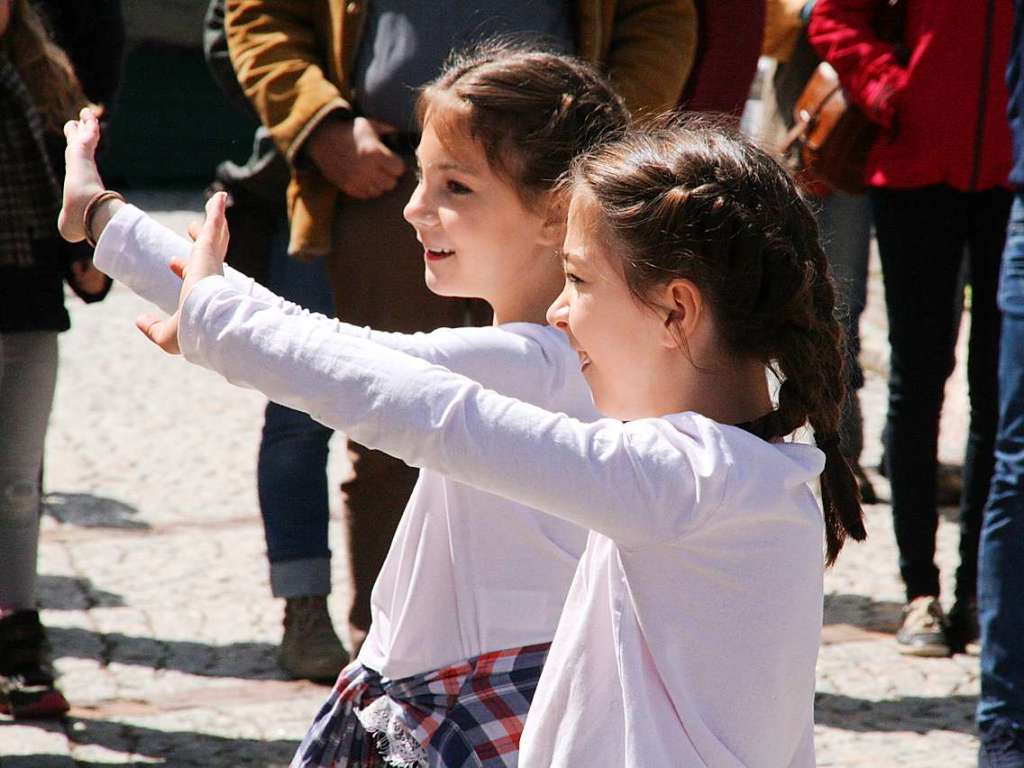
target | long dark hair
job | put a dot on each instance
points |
(693, 198)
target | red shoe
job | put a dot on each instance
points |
(27, 687)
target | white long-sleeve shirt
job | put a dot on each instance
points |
(468, 572)
(690, 633)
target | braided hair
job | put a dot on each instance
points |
(691, 198)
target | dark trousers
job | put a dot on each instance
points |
(377, 274)
(924, 236)
(292, 469)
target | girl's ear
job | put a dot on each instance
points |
(555, 209)
(683, 307)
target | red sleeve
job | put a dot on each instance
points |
(842, 34)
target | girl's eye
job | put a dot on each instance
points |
(457, 188)
(574, 279)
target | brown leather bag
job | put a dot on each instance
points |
(831, 137)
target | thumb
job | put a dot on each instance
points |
(390, 163)
(163, 333)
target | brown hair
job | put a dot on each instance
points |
(694, 199)
(532, 111)
(44, 67)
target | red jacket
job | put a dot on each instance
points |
(944, 112)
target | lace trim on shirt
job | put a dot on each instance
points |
(382, 720)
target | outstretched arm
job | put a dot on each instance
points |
(649, 480)
(138, 251)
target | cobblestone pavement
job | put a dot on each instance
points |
(154, 579)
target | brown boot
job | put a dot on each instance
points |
(310, 647)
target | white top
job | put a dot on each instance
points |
(468, 572)
(691, 630)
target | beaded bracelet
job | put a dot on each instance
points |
(90, 211)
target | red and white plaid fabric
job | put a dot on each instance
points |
(468, 714)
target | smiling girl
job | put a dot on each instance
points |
(691, 629)
(469, 596)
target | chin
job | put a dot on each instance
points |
(445, 286)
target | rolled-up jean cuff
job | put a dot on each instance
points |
(301, 578)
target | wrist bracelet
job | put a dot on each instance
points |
(90, 211)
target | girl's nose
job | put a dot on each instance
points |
(558, 312)
(416, 211)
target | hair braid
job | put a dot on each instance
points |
(695, 200)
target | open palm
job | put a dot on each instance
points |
(207, 259)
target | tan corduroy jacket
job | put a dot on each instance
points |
(294, 59)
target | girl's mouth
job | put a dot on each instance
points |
(432, 255)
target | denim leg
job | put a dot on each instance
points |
(985, 242)
(921, 237)
(1001, 558)
(292, 466)
(845, 224)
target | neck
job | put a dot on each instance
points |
(527, 301)
(731, 392)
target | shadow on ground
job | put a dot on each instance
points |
(862, 611)
(252, 661)
(71, 593)
(180, 749)
(88, 511)
(917, 714)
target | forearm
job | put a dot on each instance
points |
(842, 33)
(137, 251)
(279, 63)
(427, 416)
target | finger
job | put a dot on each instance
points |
(163, 333)
(194, 229)
(390, 163)
(217, 211)
(178, 267)
(70, 129)
(382, 128)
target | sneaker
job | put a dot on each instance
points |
(310, 647)
(27, 684)
(1001, 746)
(922, 631)
(962, 627)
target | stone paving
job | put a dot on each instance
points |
(154, 583)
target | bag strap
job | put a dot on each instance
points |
(803, 122)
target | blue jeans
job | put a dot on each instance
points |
(292, 469)
(924, 236)
(1001, 556)
(845, 224)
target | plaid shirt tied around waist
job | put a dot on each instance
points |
(467, 715)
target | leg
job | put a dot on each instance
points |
(28, 375)
(377, 276)
(292, 484)
(920, 240)
(845, 222)
(986, 239)
(1000, 576)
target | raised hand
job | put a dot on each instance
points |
(81, 180)
(207, 259)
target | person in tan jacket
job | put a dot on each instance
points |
(334, 83)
